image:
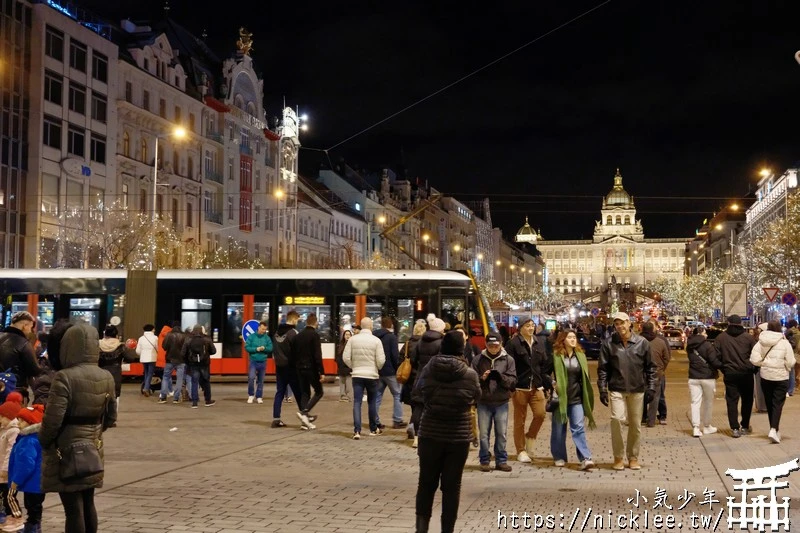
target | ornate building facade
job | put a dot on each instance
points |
(617, 253)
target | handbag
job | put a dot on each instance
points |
(81, 459)
(552, 403)
(404, 370)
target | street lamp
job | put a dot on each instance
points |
(177, 133)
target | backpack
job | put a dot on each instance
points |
(280, 349)
(197, 351)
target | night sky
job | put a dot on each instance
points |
(688, 99)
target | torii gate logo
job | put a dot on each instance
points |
(756, 511)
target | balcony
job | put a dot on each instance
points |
(214, 176)
(211, 216)
(214, 136)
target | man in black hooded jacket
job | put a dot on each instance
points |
(734, 346)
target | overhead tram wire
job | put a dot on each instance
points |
(448, 86)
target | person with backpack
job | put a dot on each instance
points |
(704, 364)
(197, 352)
(173, 347)
(285, 369)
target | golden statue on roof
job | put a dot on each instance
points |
(245, 42)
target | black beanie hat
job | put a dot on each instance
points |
(453, 343)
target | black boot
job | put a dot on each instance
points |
(422, 523)
(448, 527)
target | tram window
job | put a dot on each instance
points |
(118, 307)
(46, 317)
(86, 310)
(405, 319)
(347, 315)
(323, 313)
(261, 311)
(453, 310)
(233, 322)
(196, 311)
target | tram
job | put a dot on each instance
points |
(223, 301)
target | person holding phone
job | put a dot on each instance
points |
(498, 379)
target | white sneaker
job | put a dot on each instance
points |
(356, 436)
(523, 457)
(306, 423)
(774, 436)
(250, 399)
(696, 432)
(586, 464)
(560, 462)
(708, 430)
(259, 400)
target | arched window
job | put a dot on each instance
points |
(573, 254)
(608, 220)
(143, 151)
(627, 220)
(618, 220)
(126, 144)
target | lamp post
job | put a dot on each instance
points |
(177, 133)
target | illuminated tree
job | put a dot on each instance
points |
(775, 253)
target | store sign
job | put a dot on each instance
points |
(76, 167)
(304, 300)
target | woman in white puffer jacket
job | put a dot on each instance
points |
(775, 356)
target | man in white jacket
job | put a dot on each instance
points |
(147, 350)
(364, 354)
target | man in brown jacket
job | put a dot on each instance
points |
(661, 355)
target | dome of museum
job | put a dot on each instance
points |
(618, 197)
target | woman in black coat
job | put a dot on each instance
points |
(344, 372)
(447, 387)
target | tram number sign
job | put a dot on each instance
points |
(789, 298)
(249, 327)
(304, 300)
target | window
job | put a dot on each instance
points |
(146, 100)
(128, 92)
(142, 201)
(162, 108)
(52, 132)
(191, 121)
(230, 207)
(175, 212)
(76, 141)
(190, 168)
(50, 195)
(99, 107)
(177, 115)
(258, 180)
(207, 203)
(160, 206)
(189, 214)
(77, 98)
(125, 196)
(258, 216)
(54, 43)
(99, 66)
(143, 150)
(97, 148)
(53, 87)
(230, 168)
(146, 64)
(77, 55)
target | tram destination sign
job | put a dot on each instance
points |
(304, 300)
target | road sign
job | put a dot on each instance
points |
(771, 293)
(250, 327)
(595, 311)
(734, 299)
(789, 298)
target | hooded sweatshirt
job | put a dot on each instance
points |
(734, 346)
(774, 355)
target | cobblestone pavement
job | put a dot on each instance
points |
(222, 469)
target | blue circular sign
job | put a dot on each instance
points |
(789, 298)
(249, 327)
(595, 311)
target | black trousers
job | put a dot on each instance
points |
(775, 396)
(416, 415)
(739, 386)
(308, 379)
(441, 463)
(80, 512)
(33, 505)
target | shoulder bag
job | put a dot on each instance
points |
(552, 402)
(81, 459)
(404, 370)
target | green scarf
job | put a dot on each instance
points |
(587, 393)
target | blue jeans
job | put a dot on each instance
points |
(166, 382)
(792, 383)
(497, 415)
(149, 368)
(201, 377)
(359, 386)
(558, 436)
(394, 388)
(256, 373)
